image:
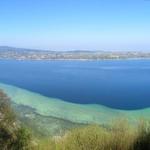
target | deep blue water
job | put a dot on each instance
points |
(121, 84)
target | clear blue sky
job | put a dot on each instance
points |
(76, 24)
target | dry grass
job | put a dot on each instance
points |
(120, 136)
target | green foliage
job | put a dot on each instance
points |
(7, 116)
(12, 135)
(23, 139)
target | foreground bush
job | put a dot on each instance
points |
(12, 135)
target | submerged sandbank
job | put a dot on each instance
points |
(79, 113)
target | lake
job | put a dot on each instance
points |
(123, 84)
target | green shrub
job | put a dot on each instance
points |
(12, 135)
(23, 140)
(7, 116)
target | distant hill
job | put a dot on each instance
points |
(8, 48)
(7, 52)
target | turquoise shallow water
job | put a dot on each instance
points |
(79, 113)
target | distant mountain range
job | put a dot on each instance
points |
(7, 52)
(8, 48)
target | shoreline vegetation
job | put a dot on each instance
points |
(11, 53)
(119, 136)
